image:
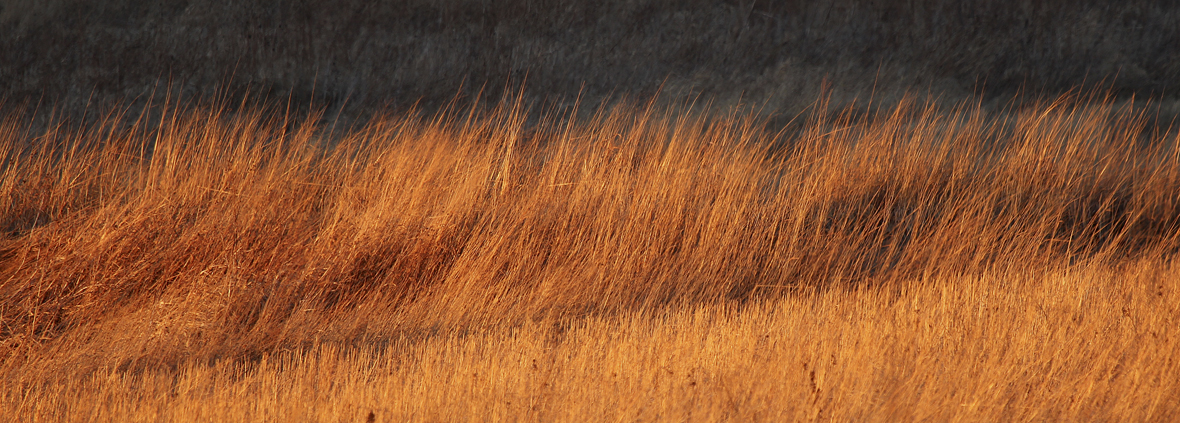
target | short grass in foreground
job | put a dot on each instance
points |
(644, 265)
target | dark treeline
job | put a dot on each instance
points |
(781, 54)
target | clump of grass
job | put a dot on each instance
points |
(206, 236)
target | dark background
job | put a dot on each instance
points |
(357, 55)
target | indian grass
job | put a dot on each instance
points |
(646, 264)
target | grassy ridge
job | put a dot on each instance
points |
(161, 251)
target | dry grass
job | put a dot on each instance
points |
(644, 265)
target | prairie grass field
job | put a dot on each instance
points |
(922, 262)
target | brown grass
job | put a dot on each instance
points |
(644, 265)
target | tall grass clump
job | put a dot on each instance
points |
(199, 236)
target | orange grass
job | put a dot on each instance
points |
(642, 265)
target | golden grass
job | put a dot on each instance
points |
(644, 265)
